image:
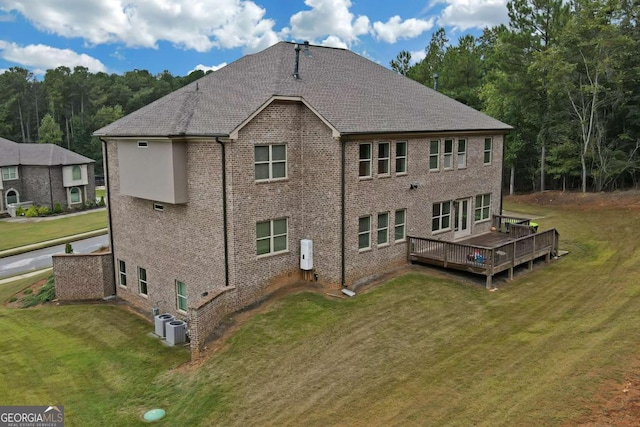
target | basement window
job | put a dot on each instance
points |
(143, 144)
(158, 207)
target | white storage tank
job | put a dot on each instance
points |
(306, 254)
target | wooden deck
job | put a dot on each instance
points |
(513, 243)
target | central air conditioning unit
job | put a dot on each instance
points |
(176, 332)
(160, 321)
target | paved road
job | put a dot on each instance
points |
(41, 258)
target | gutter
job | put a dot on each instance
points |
(342, 212)
(224, 211)
(105, 162)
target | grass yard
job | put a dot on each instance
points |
(548, 348)
(16, 234)
(101, 192)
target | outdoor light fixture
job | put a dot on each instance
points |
(413, 186)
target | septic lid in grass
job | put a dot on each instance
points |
(154, 415)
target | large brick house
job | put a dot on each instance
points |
(213, 187)
(44, 174)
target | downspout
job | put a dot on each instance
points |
(343, 204)
(224, 212)
(105, 162)
(504, 145)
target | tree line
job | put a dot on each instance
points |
(68, 105)
(565, 75)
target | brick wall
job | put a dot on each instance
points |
(186, 242)
(83, 276)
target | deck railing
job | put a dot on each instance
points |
(502, 222)
(484, 260)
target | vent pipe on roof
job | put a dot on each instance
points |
(307, 52)
(296, 68)
(435, 81)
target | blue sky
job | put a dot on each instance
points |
(115, 36)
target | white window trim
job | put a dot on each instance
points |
(379, 229)
(122, 273)
(8, 177)
(436, 155)
(179, 296)
(441, 216)
(485, 151)
(482, 207)
(6, 195)
(447, 155)
(368, 160)
(272, 237)
(360, 233)
(384, 159)
(141, 281)
(462, 153)
(403, 158)
(403, 224)
(271, 162)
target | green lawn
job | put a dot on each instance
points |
(101, 192)
(16, 234)
(422, 349)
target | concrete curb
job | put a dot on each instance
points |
(54, 242)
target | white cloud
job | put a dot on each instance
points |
(395, 28)
(465, 14)
(333, 41)
(41, 57)
(191, 24)
(417, 56)
(206, 68)
(330, 19)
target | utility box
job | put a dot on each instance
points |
(306, 254)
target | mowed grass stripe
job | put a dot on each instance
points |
(15, 234)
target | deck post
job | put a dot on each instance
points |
(444, 257)
(488, 285)
(408, 249)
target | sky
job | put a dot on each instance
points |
(115, 36)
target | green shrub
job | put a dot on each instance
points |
(57, 208)
(28, 291)
(43, 211)
(68, 249)
(13, 299)
(101, 203)
(90, 204)
(32, 212)
(45, 294)
(20, 211)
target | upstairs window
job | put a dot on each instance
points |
(434, 155)
(271, 236)
(76, 173)
(448, 153)
(383, 158)
(270, 162)
(364, 167)
(441, 216)
(488, 142)
(462, 153)
(9, 173)
(401, 157)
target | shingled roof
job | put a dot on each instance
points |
(14, 154)
(351, 93)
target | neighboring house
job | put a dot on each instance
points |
(213, 187)
(44, 174)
